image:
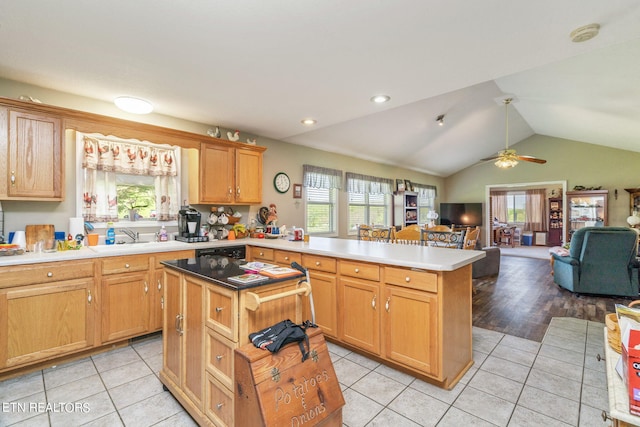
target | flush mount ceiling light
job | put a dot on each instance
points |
(308, 122)
(380, 99)
(585, 33)
(440, 120)
(133, 105)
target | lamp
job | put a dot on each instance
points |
(506, 162)
(432, 216)
(133, 105)
(633, 220)
(440, 120)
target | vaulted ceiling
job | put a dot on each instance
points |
(263, 66)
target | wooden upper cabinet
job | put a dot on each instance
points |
(225, 174)
(34, 153)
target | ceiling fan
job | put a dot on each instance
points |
(507, 158)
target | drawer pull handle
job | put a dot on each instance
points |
(159, 285)
(238, 191)
(219, 357)
(126, 265)
(219, 405)
(89, 297)
(373, 302)
(386, 305)
(49, 274)
(407, 279)
(357, 270)
(13, 178)
(146, 287)
(219, 309)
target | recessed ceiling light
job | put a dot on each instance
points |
(133, 105)
(380, 99)
(308, 122)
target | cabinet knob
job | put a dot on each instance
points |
(126, 265)
(219, 309)
(219, 406)
(49, 274)
(357, 270)
(286, 258)
(407, 279)
(261, 253)
(219, 357)
(317, 263)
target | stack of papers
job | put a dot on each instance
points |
(248, 278)
(279, 272)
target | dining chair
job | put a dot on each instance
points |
(470, 238)
(364, 232)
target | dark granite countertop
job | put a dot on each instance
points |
(217, 269)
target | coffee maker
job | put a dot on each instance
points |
(189, 226)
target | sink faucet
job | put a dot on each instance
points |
(129, 232)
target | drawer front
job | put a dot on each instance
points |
(219, 403)
(286, 257)
(360, 270)
(414, 279)
(221, 311)
(219, 358)
(262, 254)
(45, 273)
(125, 264)
(165, 256)
(319, 263)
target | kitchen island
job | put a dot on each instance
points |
(408, 307)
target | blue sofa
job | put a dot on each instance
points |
(602, 260)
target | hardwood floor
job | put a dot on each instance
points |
(522, 299)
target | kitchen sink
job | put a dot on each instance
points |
(139, 245)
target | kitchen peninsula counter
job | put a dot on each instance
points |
(406, 306)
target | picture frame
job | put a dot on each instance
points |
(408, 185)
(297, 191)
(400, 186)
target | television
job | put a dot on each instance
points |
(461, 214)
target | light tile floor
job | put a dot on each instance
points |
(513, 382)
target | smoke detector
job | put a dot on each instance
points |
(585, 33)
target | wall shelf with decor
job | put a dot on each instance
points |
(586, 209)
(405, 208)
(555, 222)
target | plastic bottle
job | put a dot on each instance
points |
(111, 235)
(163, 234)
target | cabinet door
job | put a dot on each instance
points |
(35, 157)
(360, 314)
(323, 291)
(248, 176)
(156, 289)
(216, 174)
(40, 322)
(412, 346)
(172, 326)
(125, 306)
(192, 357)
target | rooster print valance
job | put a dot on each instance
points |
(126, 157)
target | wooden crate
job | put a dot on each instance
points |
(277, 389)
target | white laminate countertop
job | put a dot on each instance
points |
(423, 257)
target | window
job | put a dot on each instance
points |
(369, 200)
(321, 211)
(126, 180)
(321, 199)
(426, 201)
(516, 207)
(368, 209)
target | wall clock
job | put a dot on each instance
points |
(281, 182)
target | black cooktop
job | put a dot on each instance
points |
(218, 269)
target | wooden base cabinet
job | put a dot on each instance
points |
(47, 310)
(360, 318)
(324, 290)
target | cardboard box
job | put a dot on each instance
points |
(631, 367)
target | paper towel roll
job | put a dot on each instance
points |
(76, 226)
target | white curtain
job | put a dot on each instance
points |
(104, 157)
(535, 212)
(499, 206)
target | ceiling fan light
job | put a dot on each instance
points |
(506, 163)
